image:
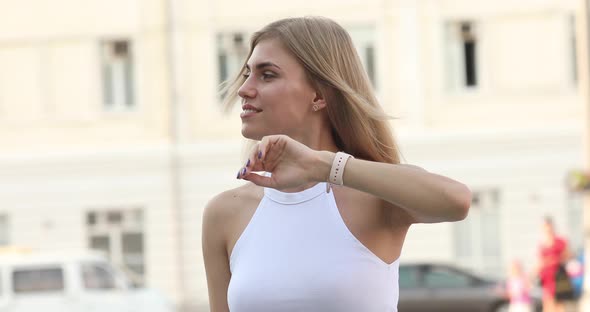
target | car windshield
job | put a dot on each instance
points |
(97, 276)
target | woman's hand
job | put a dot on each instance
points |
(291, 163)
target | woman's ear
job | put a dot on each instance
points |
(318, 102)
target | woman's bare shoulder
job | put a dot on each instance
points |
(231, 202)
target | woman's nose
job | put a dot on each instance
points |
(247, 90)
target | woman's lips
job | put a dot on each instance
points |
(248, 113)
(249, 110)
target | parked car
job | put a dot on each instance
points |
(82, 281)
(438, 287)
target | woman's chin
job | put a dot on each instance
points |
(252, 135)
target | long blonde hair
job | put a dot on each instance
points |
(359, 125)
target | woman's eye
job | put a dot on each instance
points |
(267, 75)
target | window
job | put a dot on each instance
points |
(363, 39)
(97, 277)
(119, 233)
(132, 245)
(117, 75)
(91, 218)
(101, 242)
(38, 280)
(232, 49)
(469, 54)
(476, 243)
(443, 278)
(114, 217)
(462, 55)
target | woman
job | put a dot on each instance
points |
(553, 252)
(290, 241)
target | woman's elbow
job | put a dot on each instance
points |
(461, 198)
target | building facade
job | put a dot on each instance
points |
(111, 134)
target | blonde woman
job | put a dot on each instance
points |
(323, 227)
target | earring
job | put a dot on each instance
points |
(315, 107)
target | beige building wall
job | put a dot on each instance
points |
(64, 154)
(50, 83)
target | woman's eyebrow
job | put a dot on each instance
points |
(263, 65)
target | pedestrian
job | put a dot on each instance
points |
(553, 255)
(321, 228)
(518, 289)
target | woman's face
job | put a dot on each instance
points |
(548, 231)
(276, 96)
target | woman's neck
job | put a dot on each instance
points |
(318, 137)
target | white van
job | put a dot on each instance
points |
(81, 281)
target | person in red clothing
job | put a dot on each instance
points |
(552, 252)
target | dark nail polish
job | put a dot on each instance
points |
(244, 171)
(259, 154)
(248, 163)
(238, 176)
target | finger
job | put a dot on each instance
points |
(259, 180)
(275, 151)
(252, 163)
(266, 144)
(241, 173)
(257, 157)
(263, 148)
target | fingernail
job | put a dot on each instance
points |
(259, 154)
(238, 176)
(244, 171)
(248, 163)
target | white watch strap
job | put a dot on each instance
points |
(337, 170)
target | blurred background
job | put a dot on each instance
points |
(112, 137)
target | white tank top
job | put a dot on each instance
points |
(297, 254)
